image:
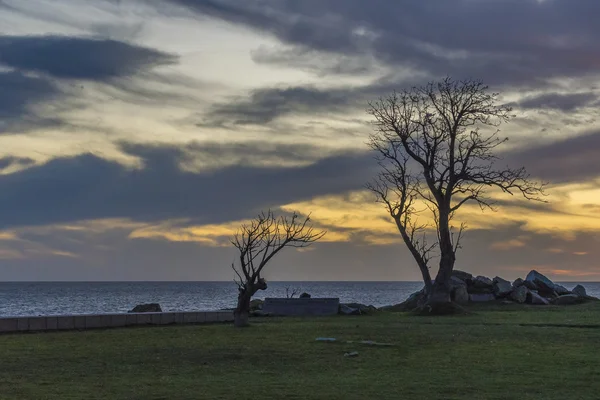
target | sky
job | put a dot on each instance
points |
(136, 136)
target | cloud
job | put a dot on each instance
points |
(508, 42)
(578, 157)
(88, 187)
(558, 101)
(12, 161)
(79, 58)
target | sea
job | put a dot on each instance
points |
(63, 298)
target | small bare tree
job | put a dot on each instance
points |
(435, 145)
(258, 242)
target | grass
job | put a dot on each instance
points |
(499, 352)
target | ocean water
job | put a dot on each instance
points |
(56, 298)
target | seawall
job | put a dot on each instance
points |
(99, 321)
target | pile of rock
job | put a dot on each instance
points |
(534, 289)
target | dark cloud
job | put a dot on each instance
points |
(9, 161)
(19, 94)
(88, 187)
(505, 42)
(558, 101)
(79, 58)
(574, 159)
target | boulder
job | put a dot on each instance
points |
(530, 285)
(518, 282)
(460, 295)
(305, 296)
(482, 282)
(463, 276)
(142, 308)
(541, 281)
(345, 310)
(502, 287)
(567, 299)
(534, 298)
(519, 294)
(256, 304)
(579, 291)
(413, 301)
(561, 290)
(481, 298)
(455, 282)
(362, 308)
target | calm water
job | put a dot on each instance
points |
(54, 298)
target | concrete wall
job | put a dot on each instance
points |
(95, 321)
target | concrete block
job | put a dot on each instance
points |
(131, 319)
(212, 316)
(167, 318)
(117, 320)
(8, 324)
(201, 317)
(179, 317)
(155, 318)
(93, 321)
(23, 324)
(225, 316)
(301, 306)
(66, 322)
(143, 319)
(51, 323)
(105, 320)
(37, 323)
(79, 321)
(190, 318)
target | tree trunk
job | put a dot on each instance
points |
(439, 297)
(242, 311)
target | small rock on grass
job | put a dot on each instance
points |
(351, 354)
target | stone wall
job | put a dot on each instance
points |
(96, 321)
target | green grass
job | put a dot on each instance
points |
(500, 352)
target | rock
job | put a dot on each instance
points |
(351, 354)
(460, 295)
(502, 287)
(579, 291)
(260, 313)
(530, 285)
(481, 298)
(256, 304)
(507, 302)
(482, 282)
(519, 294)
(518, 282)
(455, 282)
(535, 298)
(363, 309)
(305, 296)
(463, 276)
(345, 310)
(567, 299)
(142, 308)
(561, 290)
(413, 301)
(542, 282)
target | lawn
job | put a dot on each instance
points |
(503, 352)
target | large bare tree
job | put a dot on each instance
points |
(436, 148)
(258, 242)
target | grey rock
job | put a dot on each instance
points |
(460, 295)
(143, 308)
(363, 309)
(454, 282)
(561, 290)
(579, 291)
(541, 281)
(345, 310)
(518, 282)
(463, 276)
(530, 285)
(481, 298)
(351, 354)
(482, 282)
(260, 313)
(567, 299)
(256, 304)
(502, 287)
(519, 294)
(536, 299)
(305, 296)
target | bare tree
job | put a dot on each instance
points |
(435, 145)
(258, 242)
